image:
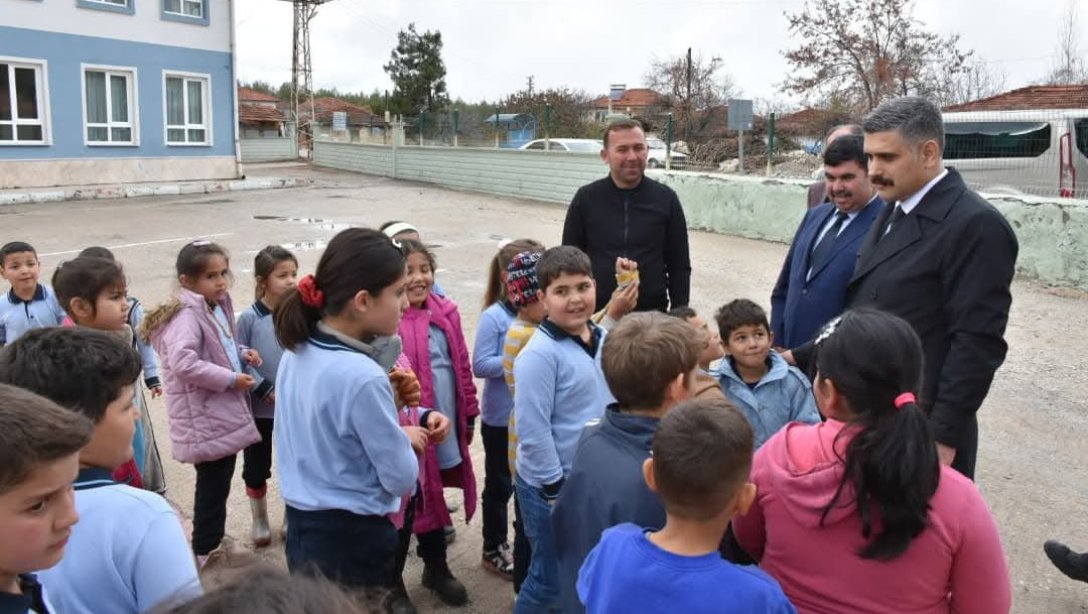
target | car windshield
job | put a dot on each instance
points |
(655, 143)
(593, 146)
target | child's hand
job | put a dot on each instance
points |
(252, 358)
(623, 301)
(406, 385)
(418, 437)
(244, 381)
(156, 392)
(438, 427)
(624, 266)
(271, 398)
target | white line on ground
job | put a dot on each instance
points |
(126, 245)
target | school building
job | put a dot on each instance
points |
(111, 91)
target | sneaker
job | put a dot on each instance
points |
(1068, 562)
(500, 562)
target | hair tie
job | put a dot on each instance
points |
(311, 295)
(905, 398)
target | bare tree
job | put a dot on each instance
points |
(867, 51)
(977, 80)
(692, 86)
(1069, 67)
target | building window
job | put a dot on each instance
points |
(187, 11)
(187, 110)
(23, 110)
(110, 106)
(117, 6)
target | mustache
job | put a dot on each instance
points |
(878, 180)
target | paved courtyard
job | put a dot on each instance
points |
(1033, 458)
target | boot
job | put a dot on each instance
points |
(438, 578)
(398, 602)
(262, 535)
(1068, 562)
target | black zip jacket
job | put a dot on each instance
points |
(645, 224)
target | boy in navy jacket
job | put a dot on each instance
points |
(649, 361)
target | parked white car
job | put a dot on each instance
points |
(656, 157)
(574, 145)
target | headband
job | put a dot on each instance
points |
(395, 229)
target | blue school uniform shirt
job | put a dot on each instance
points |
(784, 395)
(18, 316)
(337, 439)
(628, 573)
(445, 395)
(496, 402)
(256, 330)
(31, 598)
(127, 553)
(223, 323)
(560, 388)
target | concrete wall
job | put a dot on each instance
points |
(1053, 234)
(269, 149)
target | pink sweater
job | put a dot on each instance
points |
(955, 565)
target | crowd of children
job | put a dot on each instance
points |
(654, 465)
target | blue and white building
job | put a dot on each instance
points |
(111, 91)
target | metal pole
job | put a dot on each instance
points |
(770, 143)
(668, 143)
(422, 124)
(496, 127)
(740, 146)
(547, 126)
(456, 125)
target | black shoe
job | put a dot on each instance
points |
(397, 601)
(438, 578)
(1070, 563)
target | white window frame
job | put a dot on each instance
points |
(181, 9)
(207, 92)
(126, 7)
(133, 123)
(41, 70)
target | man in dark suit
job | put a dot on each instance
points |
(942, 258)
(817, 192)
(811, 287)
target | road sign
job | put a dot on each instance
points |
(740, 114)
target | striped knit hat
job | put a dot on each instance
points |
(521, 282)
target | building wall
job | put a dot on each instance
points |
(65, 37)
(269, 149)
(1053, 233)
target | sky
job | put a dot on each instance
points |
(492, 46)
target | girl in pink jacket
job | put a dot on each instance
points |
(857, 514)
(203, 372)
(435, 345)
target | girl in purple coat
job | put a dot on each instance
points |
(203, 373)
(435, 345)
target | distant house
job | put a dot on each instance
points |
(104, 91)
(338, 119)
(1033, 97)
(259, 115)
(635, 102)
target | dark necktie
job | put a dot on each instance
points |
(822, 251)
(897, 215)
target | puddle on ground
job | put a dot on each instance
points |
(303, 246)
(316, 222)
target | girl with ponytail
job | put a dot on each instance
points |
(857, 514)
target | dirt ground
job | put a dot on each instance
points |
(1033, 459)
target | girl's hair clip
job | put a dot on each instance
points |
(200, 243)
(828, 330)
(397, 244)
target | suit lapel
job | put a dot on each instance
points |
(856, 227)
(906, 232)
(812, 235)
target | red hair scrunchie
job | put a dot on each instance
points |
(311, 295)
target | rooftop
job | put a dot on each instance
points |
(1031, 98)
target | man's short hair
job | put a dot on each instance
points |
(851, 130)
(35, 431)
(916, 119)
(15, 247)
(620, 124)
(644, 353)
(559, 260)
(75, 367)
(737, 313)
(702, 453)
(845, 149)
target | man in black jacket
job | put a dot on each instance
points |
(941, 258)
(629, 215)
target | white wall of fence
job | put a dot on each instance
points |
(1053, 233)
(278, 149)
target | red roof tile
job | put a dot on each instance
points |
(246, 94)
(1031, 98)
(325, 107)
(255, 114)
(637, 97)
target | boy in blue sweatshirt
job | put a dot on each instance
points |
(649, 361)
(560, 388)
(756, 379)
(702, 457)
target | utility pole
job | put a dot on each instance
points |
(529, 80)
(687, 102)
(302, 83)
